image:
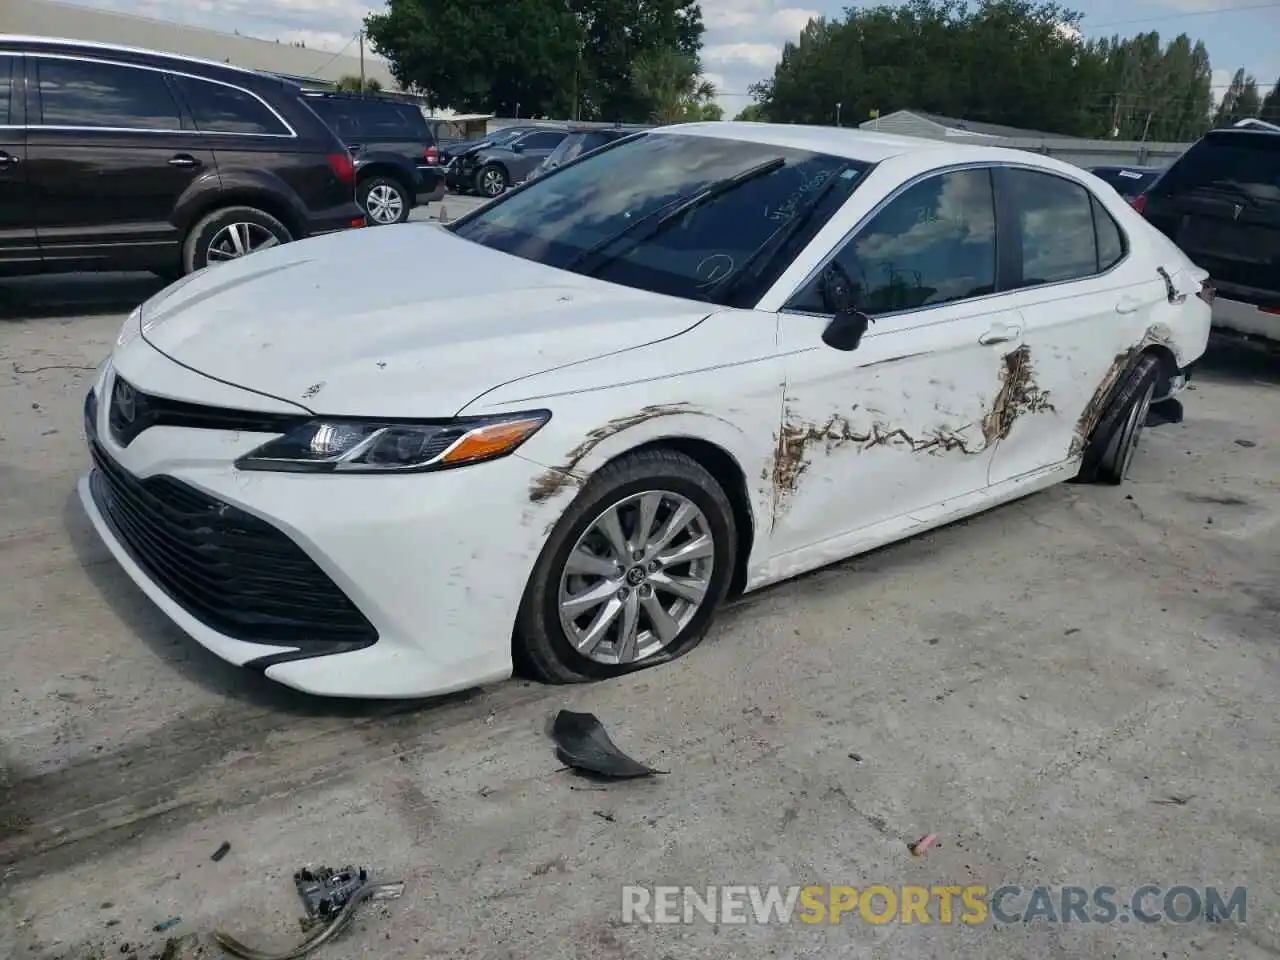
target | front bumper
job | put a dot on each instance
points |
(437, 562)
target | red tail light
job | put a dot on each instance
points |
(1139, 203)
(1207, 291)
(431, 155)
(344, 167)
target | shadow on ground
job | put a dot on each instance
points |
(76, 294)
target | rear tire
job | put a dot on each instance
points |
(1110, 450)
(673, 486)
(385, 200)
(229, 234)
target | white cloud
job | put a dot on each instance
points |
(790, 21)
(760, 55)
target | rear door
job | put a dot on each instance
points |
(19, 251)
(1220, 202)
(110, 157)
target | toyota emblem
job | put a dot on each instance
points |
(126, 402)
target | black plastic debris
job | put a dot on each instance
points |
(221, 852)
(331, 898)
(583, 744)
(166, 924)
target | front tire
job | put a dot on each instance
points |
(632, 574)
(491, 181)
(229, 234)
(385, 201)
(1110, 450)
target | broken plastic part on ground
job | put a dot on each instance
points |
(583, 744)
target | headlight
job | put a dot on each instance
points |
(130, 329)
(350, 446)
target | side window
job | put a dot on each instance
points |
(382, 120)
(217, 108)
(541, 141)
(933, 243)
(80, 93)
(1055, 218)
(6, 88)
(1111, 248)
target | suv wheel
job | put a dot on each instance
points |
(385, 200)
(491, 181)
(229, 234)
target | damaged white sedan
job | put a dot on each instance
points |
(560, 430)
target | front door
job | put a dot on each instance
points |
(19, 252)
(534, 148)
(109, 158)
(1082, 308)
(909, 419)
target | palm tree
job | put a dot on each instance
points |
(672, 83)
(352, 84)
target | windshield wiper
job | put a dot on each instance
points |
(765, 253)
(653, 223)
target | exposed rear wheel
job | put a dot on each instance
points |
(385, 200)
(1110, 450)
(632, 574)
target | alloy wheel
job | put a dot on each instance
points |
(384, 204)
(636, 577)
(1132, 432)
(492, 182)
(236, 240)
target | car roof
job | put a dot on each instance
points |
(868, 146)
(89, 45)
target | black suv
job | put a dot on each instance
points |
(1220, 202)
(397, 158)
(119, 159)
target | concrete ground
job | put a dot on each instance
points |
(1034, 685)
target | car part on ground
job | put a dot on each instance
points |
(583, 744)
(663, 396)
(1220, 203)
(126, 179)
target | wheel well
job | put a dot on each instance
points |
(385, 170)
(721, 465)
(261, 201)
(1168, 367)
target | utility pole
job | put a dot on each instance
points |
(1146, 126)
(838, 114)
(360, 40)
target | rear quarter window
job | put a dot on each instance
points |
(1250, 161)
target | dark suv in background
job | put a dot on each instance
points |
(396, 155)
(581, 141)
(1220, 202)
(119, 159)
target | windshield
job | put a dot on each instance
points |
(1127, 182)
(504, 136)
(565, 218)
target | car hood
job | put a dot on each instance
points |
(403, 321)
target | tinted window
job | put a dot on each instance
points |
(216, 108)
(6, 87)
(78, 93)
(585, 217)
(1055, 219)
(575, 145)
(331, 112)
(1240, 162)
(388, 120)
(933, 243)
(541, 141)
(1110, 239)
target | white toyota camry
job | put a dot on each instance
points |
(560, 430)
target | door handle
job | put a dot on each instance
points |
(8, 159)
(1001, 333)
(1128, 305)
(183, 160)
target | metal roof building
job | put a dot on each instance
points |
(49, 18)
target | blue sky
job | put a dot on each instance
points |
(744, 36)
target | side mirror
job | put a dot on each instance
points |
(517, 148)
(839, 295)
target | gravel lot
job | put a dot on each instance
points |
(1029, 685)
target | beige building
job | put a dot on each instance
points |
(48, 18)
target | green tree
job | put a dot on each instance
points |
(1271, 105)
(1240, 102)
(753, 113)
(352, 84)
(1014, 62)
(672, 86)
(565, 58)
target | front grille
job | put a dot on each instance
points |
(133, 411)
(232, 571)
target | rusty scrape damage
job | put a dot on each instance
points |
(552, 481)
(1018, 395)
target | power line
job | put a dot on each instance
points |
(344, 49)
(1179, 16)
